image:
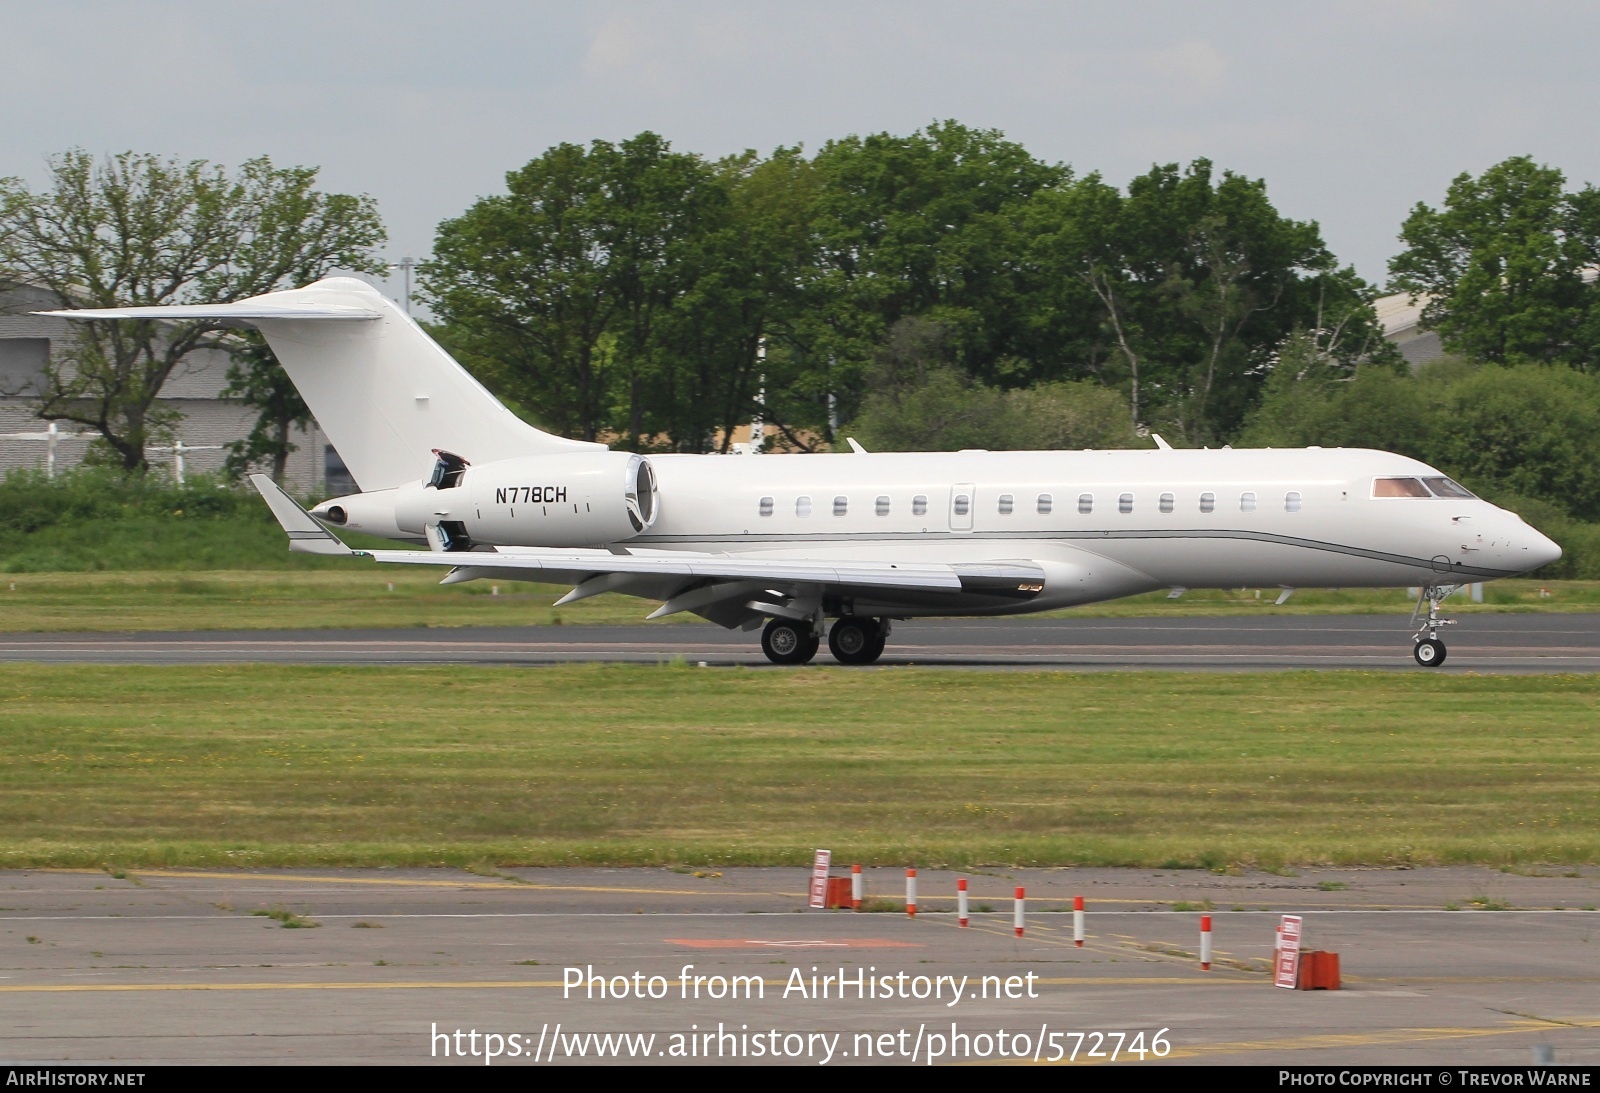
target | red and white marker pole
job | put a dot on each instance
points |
(961, 901)
(855, 887)
(1205, 943)
(911, 892)
(1018, 910)
(1077, 921)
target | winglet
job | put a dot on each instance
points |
(306, 536)
(1160, 443)
(854, 447)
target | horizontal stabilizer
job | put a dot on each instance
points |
(243, 311)
(306, 536)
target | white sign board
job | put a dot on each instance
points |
(1287, 971)
(819, 878)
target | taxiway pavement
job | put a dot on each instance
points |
(1454, 966)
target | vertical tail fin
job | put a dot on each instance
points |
(384, 392)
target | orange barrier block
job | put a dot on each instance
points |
(1319, 971)
(838, 894)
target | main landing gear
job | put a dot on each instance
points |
(852, 640)
(1429, 650)
(786, 641)
(856, 640)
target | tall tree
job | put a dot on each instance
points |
(1506, 266)
(623, 289)
(929, 225)
(140, 230)
(520, 284)
(257, 379)
(1196, 280)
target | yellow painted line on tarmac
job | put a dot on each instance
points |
(506, 984)
(497, 984)
(456, 884)
(1412, 979)
(1377, 1037)
(115, 988)
(1326, 1041)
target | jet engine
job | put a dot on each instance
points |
(586, 499)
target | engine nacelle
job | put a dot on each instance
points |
(580, 500)
(585, 499)
(373, 513)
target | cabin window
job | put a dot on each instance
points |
(1085, 503)
(841, 505)
(766, 506)
(1125, 503)
(1208, 502)
(1046, 502)
(919, 505)
(1448, 487)
(1291, 501)
(802, 506)
(881, 506)
(1167, 502)
(1247, 502)
(1399, 487)
(963, 504)
(1006, 504)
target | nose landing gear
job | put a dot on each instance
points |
(1429, 651)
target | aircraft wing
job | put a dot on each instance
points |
(708, 584)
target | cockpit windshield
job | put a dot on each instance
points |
(1420, 487)
(1446, 487)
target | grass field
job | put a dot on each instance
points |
(269, 765)
(361, 594)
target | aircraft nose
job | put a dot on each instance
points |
(1540, 550)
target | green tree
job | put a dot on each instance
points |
(624, 289)
(926, 225)
(1502, 266)
(139, 230)
(1195, 280)
(257, 379)
(745, 293)
(1311, 397)
(917, 400)
(1527, 430)
(520, 284)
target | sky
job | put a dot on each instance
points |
(1352, 111)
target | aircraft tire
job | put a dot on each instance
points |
(787, 642)
(878, 644)
(855, 640)
(1429, 652)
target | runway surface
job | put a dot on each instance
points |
(385, 966)
(1509, 643)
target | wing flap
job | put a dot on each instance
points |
(564, 565)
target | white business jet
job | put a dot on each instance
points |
(785, 544)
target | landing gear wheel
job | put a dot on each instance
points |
(1429, 652)
(878, 644)
(856, 640)
(787, 642)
